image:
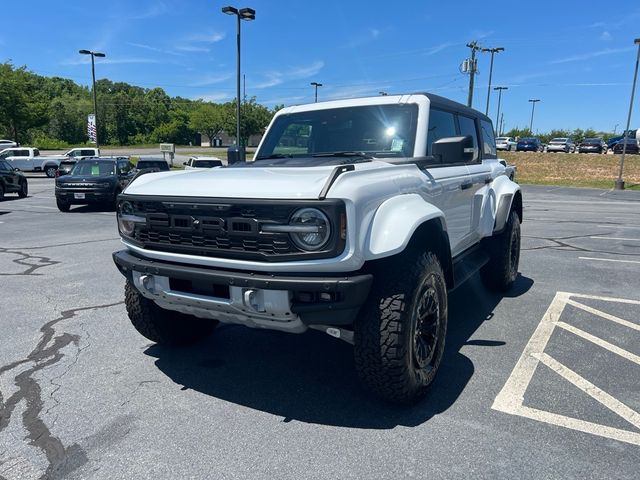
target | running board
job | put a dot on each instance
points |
(468, 263)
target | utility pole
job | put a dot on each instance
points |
(316, 85)
(533, 108)
(493, 51)
(500, 89)
(501, 124)
(473, 68)
(615, 128)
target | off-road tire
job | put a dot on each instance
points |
(50, 172)
(164, 326)
(24, 189)
(386, 351)
(504, 252)
(63, 206)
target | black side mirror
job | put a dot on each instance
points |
(453, 149)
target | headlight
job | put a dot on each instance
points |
(127, 220)
(309, 229)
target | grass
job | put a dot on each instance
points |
(573, 169)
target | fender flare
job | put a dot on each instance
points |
(508, 197)
(394, 223)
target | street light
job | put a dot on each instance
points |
(93, 76)
(615, 127)
(493, 51)
(533, 108)
(316, 84)
(619, 185)
(500, 89)
(237, 153)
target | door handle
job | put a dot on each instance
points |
(466, 185)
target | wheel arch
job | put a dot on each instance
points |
(508, 197)
(409, 223)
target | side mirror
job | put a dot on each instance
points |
(453, 149)
(185, 163)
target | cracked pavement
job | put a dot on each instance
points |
(83, 396)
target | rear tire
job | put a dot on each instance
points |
(63, 206)
(162, 326)
(504, 252)
(50, 172)
(24, 189)
(399, 335)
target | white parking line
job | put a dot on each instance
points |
(609, 260)
(620, 226)
(511, 398)
(607, 316)
(618, 238)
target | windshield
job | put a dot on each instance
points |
(379, 130)
(528, 140)
(559, 140)
(591, 140)
(502, 139)
(99, 168)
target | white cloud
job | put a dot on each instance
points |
(193, 48)
(154, 49)
(84, 59)
(370, 35)
(586, 56)
(213, 97)
(274, 78)
(210, 80)
(606, 36)
(212, 37)
(154, 10)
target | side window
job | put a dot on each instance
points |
(36, 152)
(468, 127)
(87, 153)
(23, 153)
(488, 140)
(124, 167)
(441, 125)
(4, 166)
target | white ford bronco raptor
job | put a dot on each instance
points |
(356, 218)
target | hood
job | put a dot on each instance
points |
(84, 178)
(254, 182)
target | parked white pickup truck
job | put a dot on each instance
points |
(28, 159)
(356, 218)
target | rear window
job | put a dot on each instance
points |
(159, 164)
(207, 163)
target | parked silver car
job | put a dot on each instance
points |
(563, 144)
(506, 143)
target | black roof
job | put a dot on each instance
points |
(438, 101)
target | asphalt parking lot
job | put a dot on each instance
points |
(540, 383)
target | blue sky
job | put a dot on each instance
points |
(576, 58)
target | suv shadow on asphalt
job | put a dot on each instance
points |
(311, 378)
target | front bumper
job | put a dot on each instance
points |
(90, 196)
(284, 302)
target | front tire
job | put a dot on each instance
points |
(24, 189)
(399, 335)
(50, 172)
(162, 326)
(63, 206)
(504, 252)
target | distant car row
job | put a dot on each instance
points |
(566, 145)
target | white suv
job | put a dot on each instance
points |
(356, 218)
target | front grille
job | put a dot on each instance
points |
(228, 228)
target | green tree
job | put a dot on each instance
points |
(207, 118)
(254, 118)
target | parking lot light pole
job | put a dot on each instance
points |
(237, 154)
(619, 185)
(93, 77)
(533, 108)
(500, 89)
(493, 51)
(316, 84)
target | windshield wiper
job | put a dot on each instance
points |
(342, 154)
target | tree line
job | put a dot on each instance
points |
(51, 112)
